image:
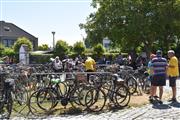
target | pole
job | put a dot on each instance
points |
(53, 39)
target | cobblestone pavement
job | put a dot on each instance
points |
(165, 111)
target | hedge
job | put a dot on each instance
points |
(39, 58)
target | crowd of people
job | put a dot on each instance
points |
(68, 64)
(159, 70)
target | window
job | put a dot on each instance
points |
(6, 28)
(8, 42)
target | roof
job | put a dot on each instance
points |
(11, 30)
(41, 52)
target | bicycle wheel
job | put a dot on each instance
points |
(9, 104)
(6, 105)
(20, 95)
(122, 96)
(33, 106)
(46, 99)
(95, 100)
(82, 94)
(78, 97)
(62, 88)
(132, 84)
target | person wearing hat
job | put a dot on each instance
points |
(159, 69)
(173, 73)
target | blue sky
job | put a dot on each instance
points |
(41, 17)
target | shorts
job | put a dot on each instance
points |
(89, 74)
(158, 80)
(172, 81)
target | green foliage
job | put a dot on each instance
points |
(61, 48)
(177, 49)
(1, 49)
(114, 51)
(20, 41)
(132, 23)
(8, 52)
(40, 58)
(43, 47)
(79, 48)
(99, 49)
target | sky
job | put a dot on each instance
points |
(41, 17)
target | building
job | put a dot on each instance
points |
(106, 42)
(9, 33)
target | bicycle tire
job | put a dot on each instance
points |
(9, 104)
(93, 101)
(20, 95)
(122, 96)
(132, 84)
(48, 99)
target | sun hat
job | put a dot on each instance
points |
(171, 51)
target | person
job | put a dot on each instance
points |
(173, 73)
(57, 65)
(119, 59)
(159, 69)
(139, 61)
(103, 60)
(90, 66)
(150, 72)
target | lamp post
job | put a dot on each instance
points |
(53, 39)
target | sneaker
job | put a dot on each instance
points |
(160, 102)
(172, 100)
(151, 99)
(156, 97)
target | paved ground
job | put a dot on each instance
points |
(165, 111)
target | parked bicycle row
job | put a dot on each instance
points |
(40, 92)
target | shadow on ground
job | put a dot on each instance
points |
(156, 105)
(175, 104)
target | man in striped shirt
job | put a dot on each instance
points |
(159, 68)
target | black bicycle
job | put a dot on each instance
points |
(117, 93)
(6, 100)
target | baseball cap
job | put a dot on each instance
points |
(159, 53)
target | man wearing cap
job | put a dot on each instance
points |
(159, 68)
(173, 73)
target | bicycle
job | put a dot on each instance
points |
(6, 100)
(96, 97)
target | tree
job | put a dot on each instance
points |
(79, 48)
(137, 23)
(20, 41)
(61, 48)
(8, 52)
(99, 49)
(43, 47)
